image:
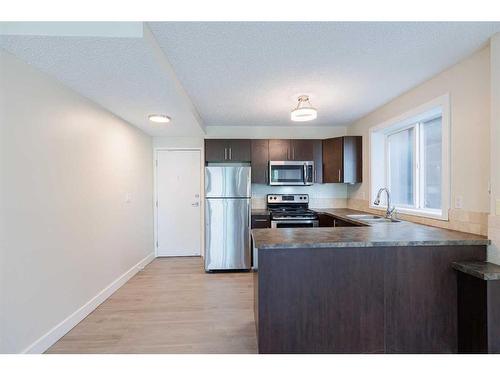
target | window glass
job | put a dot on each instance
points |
(401, 161)
(432, 146)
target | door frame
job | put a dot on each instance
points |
(157, 150)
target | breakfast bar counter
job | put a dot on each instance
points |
(382, 288)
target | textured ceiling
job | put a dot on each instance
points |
(249, 73)
(121, 74)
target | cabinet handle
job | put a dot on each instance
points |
(260, 220)
(339, 175)
(225, 153)
(315, 174)
(293, 153)
(230, 153)
(287, 154)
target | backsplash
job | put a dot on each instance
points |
(320, 195)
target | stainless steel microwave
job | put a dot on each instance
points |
(291, 172)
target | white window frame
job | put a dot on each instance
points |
(379, 156)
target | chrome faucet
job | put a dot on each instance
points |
(390, 210)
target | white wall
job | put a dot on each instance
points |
(178, 142)
(468, 84)
(67, 233)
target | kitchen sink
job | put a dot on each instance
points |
(372, 219)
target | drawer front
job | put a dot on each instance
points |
(261, 222)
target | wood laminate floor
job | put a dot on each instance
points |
(172, 306)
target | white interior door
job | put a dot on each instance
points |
(178, 189)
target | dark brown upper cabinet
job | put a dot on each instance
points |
(291, 149)
(342, 160)
(279, 149)
(260, 161)
(227, 150)
(302, 149)
(318, 160)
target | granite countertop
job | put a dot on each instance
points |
(481, 270)
(377, 235)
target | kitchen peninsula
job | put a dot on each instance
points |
(378, 288)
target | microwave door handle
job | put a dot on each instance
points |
(305, 174)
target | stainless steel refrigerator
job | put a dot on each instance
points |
(227, 218)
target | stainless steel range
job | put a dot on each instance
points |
(291, 211)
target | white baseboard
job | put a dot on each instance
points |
(51, 337)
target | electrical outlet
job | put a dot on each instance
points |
(459, 201)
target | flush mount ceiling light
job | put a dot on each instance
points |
(162, 119)
(304, 110)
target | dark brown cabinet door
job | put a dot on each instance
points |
(260, 221)
(226, 150)
(342, 160)
(239, 150)
(279, 150)
(302, 149)
(318, 160)
(216, 150)
(353, 162)
(260, 161)
(333, 160)
(326, 220)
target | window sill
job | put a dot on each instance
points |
(434, 214)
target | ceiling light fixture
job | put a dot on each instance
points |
(304, 110)
(162, 119)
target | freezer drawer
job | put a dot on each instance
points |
(227, 234)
